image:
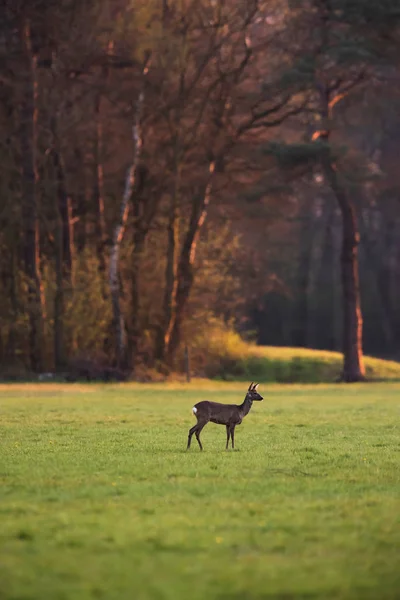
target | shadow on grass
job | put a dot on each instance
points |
(293, 472)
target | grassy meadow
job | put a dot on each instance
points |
(100, 500)
(228, 356)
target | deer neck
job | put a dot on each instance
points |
(246, 407)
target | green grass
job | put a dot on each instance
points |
(98, 498)
(231, 358)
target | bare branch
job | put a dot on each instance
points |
(343, 91)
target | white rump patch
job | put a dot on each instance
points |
(194, 410)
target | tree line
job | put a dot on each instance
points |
(169, 163)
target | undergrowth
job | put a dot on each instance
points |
(222, 354)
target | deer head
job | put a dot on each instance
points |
(252, 393)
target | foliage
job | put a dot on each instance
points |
(371, 13)
(293, 155)
(100, 499)
(88, 311)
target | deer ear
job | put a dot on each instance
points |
(255, 386)
(250, 387)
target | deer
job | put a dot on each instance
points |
(229, 415)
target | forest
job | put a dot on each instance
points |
(174, 169)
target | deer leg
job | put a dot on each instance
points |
(191, 432)
(233, 436)
(198, 431)
(228, 433)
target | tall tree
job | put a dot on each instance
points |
(121, 347)
(29, 180)
(217, 101)
(328, 70)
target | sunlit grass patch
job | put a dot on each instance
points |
(228, 356)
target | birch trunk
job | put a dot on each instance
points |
(119, 231)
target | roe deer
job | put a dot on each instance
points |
(229, 415)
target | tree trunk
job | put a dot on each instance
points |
(139, 240)
(28, 140)
(63, 249)
(144, 209)
(59, 300)
(63, 212)
(141, 224)
(376, 254)
(353, 367)
(98, 190)
(82, 200)
(309, 274)
(301, 310)
(63, 258)
(171, 281)
(135, 301)
(394, 261)
(185, 267)
(316, 299)
(336, 306)
(118, 320)
(119, 231)
(11, 346)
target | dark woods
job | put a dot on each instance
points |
(173, 169)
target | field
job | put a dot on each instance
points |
(100, 500)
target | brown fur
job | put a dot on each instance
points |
(229, 415)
